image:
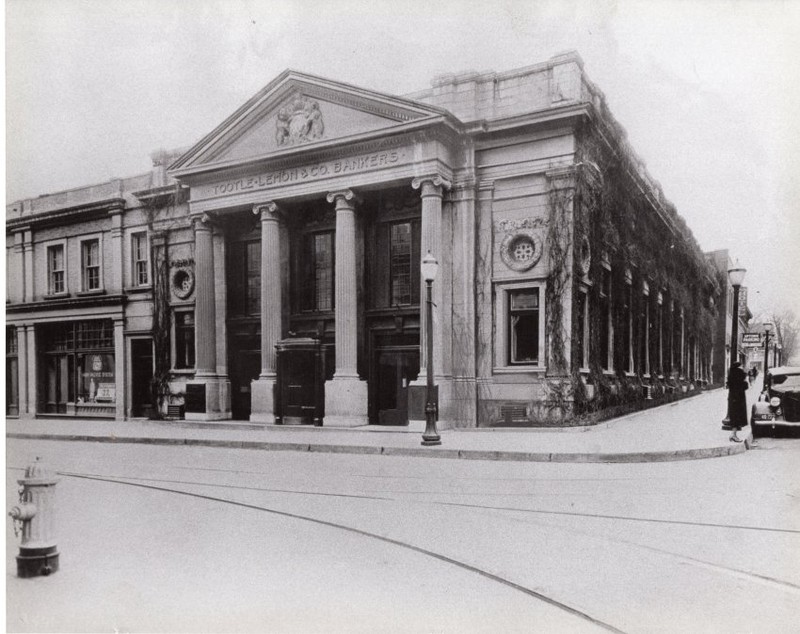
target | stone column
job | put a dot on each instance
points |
(432, 189)
(262, 390)
(32, 363)
(205, 301)
(119, 369)
(346, 394)
(210, 392)
(22, 370)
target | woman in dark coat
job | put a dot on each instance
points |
(737, 399)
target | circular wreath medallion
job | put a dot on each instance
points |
(521, 250)
(183, 283)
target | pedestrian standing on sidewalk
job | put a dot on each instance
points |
(737, 397)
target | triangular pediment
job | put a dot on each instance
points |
(298, 110)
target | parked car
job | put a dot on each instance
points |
(778, 406)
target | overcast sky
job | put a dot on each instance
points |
(708, 91)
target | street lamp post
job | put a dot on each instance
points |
(736, 277)
(429, 269)
(767, 328)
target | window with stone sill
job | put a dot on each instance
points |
(184, 340)
(519, 342)
(90, 264)
(141, 259)
(56, 275)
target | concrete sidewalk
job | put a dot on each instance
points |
(684, 430)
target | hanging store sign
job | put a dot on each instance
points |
(752, 340)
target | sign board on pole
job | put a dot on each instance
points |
(752, 340)
(743, 302)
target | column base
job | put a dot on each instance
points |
(262, 401)
(208, 398)
(346, 402)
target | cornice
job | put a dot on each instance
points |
(67, 303)
(75, 213)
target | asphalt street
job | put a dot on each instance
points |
(169, 539)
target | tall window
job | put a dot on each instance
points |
(645, 332)
(581, 329)
(55, 269)
(318, 289)
(252, 268)
(400, 263)
(660, 333)
(91, 264)
(184, 340)
(140, 259)
(523, 327)
(605, 319)
(627, 327)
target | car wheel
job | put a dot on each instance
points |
(756, 431)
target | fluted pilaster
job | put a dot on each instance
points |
(271, 309)
(346, 284)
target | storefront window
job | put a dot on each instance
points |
(96, 378)
(12, 372)
(77, 367)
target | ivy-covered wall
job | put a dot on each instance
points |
(658, 273)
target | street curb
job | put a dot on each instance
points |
(415, 452)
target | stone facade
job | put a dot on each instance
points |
(305, 215)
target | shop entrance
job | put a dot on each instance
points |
(141, 377)
(77, 374)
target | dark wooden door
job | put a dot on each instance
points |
(141, 377)
(245, 368)
(394, 368)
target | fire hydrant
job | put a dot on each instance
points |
(34, 519)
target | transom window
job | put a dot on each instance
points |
(55, 269)
(91, 264)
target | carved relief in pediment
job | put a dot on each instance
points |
(300, 121)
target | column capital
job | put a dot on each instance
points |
(431, 184)
(343, 198)
(203, 222)
(267, 211)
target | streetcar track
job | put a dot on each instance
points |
(736, 572)
(395, 542)
(628, 518)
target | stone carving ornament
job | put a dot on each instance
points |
(521, 250)
(183, 282)
(299, 121)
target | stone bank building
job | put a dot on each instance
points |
(271, 272)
